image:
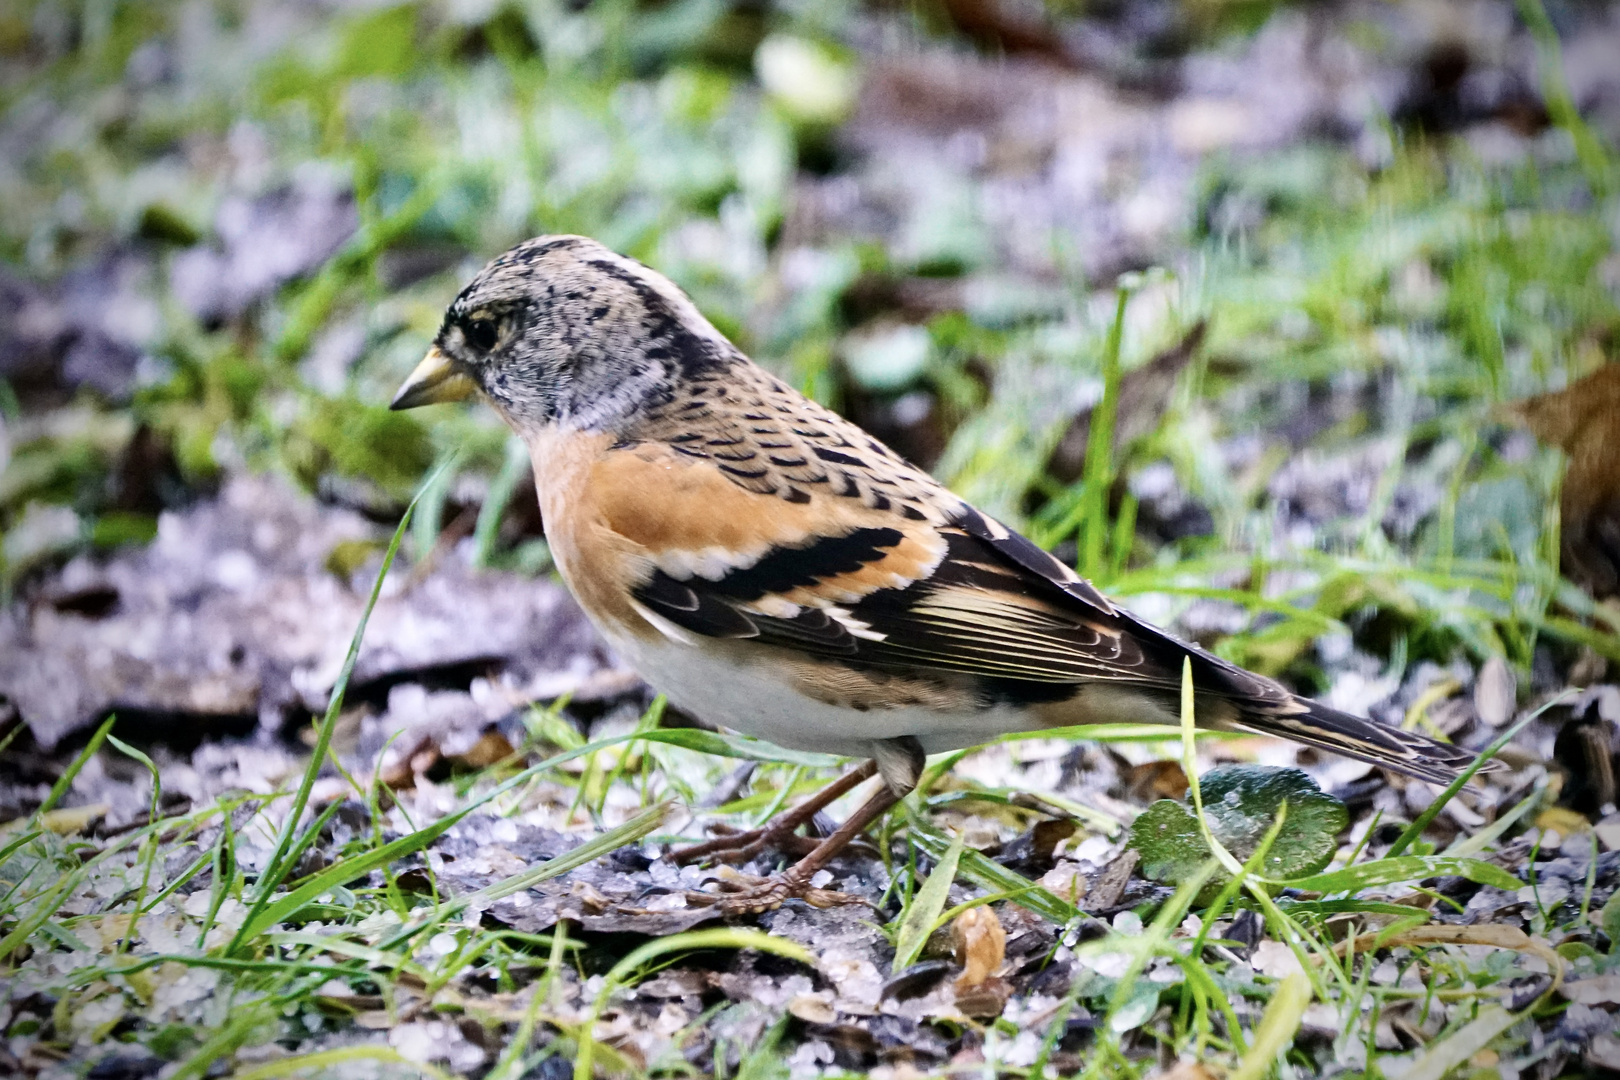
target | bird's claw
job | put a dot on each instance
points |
(742, 846)
(740, 894)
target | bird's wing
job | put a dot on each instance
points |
(925, 587)
(1013, 635)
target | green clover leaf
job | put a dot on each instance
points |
(1241, 802)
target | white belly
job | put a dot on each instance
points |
(751, 699)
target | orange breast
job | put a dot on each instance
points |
(613, 516)
(598, 564)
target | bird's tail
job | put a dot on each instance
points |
(1337, 732)
(1246, 701)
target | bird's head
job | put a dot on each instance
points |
(561, 331)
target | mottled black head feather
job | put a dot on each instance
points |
(560, 330)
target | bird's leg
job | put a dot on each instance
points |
(900, 761)
(794, 882)
(739, 847)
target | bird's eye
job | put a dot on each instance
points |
(481, 334)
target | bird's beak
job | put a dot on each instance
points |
(436, 379)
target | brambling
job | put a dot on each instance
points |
(772, 568)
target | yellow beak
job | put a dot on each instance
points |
(436, 379)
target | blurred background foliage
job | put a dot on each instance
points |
(229, 227)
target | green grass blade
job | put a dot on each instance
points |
(1099, 468)
(990, 875)
(1387, 871)
(1590, 150)
(351, 868)
(279, 864)
(514, 470)
(917, 922)
(150, 845)
(1189, 766)
(1472, 845)
(45, 908)
(65, 781)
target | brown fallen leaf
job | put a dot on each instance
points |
(1155, 780)
(812, 1009)
(1032, 853)
(401, 769)
(1583, 420)
(1110, 885)
(491, 747)
(986, 1000)
(980, 944)
(981, 949)
(1587, 749)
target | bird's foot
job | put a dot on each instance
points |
(744, 894)
(739, 847)
(779, 832)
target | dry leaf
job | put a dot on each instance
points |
(1495, 692)
(74, 819)
(491, 747)
(1587, 749)
(980, 943)
(1110, 884)
(1583, 420)
(812, 1009)
(1155, 780)
(981, 948)
(985, 1001)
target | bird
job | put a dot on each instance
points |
(772, 568)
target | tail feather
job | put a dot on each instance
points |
(1324, 728)
(1243, 699)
